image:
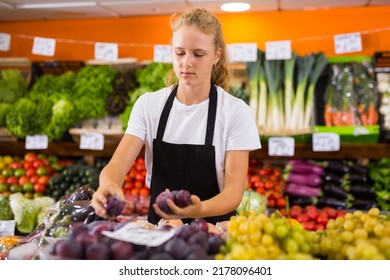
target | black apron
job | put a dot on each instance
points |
(185, 166)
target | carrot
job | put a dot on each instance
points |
(337, 118)
(362, 114)
(328, 115)
(372, 115)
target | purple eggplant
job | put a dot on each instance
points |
(335, 191)
(333, 178)
(363, 204)
(305, 168)
(324, 201)
(361, 191)
(305, 179)
(333, 166)
(302, 190)
(301, 201)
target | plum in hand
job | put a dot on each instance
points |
(161, 201)
(114, 206)
(182, 198)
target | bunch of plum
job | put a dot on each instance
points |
(181, 198)
(191, 242)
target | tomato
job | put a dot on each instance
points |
(28, 187)
(27, 165)
(7, 172)
(38, 163)
(139, 177)
(322, 218)
(134, 191)
(24, 179)
(12, 180)
(2, 179)
(271, 203)
(276, 171)
(281, 202)
(319, 227)
(15, 165)
(263, 172)
(268, 185)
(127, 185)
(138, 184)
(302, 218)
(308, 225)
(254, 179)
(312, 213)
(40, 188)
(42, 171)
(34, 179)
(19, 172)
(144, 191)
(43, 180)
(331, 212)
(30, 157)
(30, 172)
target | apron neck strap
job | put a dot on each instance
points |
(212, 110)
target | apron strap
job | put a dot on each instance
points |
(212, 111)
(165, 114)
(213, 97)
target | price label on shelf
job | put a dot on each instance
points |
(5, 42)
(106, 51)
(136, 234)
(7, 228)
(347, 43)
(244, 52)
(92, 141)
(162, 53)
(281, 146)
(326, 142)
(278, 50)
(36, 142)
(44, 46)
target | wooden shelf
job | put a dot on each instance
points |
(71, 149)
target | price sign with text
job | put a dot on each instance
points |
(91, 141)
(281, 146)
(136, 234)
(44, 46)
(278, 50)
(326, 142)
(162, 53)
(347, 43)
(244, 52)
(106, 51)
(36, 142)
(5, 42)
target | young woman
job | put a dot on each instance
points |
(196, 135)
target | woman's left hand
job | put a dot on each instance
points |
(194, 210)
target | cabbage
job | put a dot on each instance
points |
(252, 202)
(25, 212)
(6, 212)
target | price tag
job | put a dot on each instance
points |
(281, 146)
(7, 228)
(347, 43)
(245, 52)
(278, 50)
(44, 46)
(136, 234)
(5, 42)
(36, 142)
(326, 142)
(162, 53)
(92, 141)
(106, 51)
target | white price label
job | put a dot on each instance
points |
(92, 141)
(136, 234)
(326, 142)
(37, 142)
(44, 46)
(106, 51)
(162, 53)
(347, 43)
(281, 146)
(278, 50)
(7, 228)
(245, 52)
(5, 42)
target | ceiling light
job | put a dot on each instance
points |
(56, 5)
(235, 7)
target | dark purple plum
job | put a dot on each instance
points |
(86, 238)
(68, 249)
(160, 256)
(97, 251)
(121, 250)
(161, 201)
(199, 238)
(114, 206)
(182, 198)
(215, 243)
(199, 225)
(184, 232)
(77, 228)
(177, 248)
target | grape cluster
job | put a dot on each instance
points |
(357, 236)
(260, 237)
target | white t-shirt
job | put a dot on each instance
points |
(235, 128)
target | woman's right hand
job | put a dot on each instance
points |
(99, 198)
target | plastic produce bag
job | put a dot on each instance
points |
(25, 212)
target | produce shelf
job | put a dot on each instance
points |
(71, 149)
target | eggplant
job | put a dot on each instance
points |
(333, 178)
(301, 201)
(305, 179)
(362, 191)
(358, 178)
(304, 168)
(333, 166)
(302, 190)
(357, 169)
(324, 201)
(363, 204)
(335, 191)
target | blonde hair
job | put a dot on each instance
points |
(209, 24)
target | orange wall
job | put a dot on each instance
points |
(309, 31)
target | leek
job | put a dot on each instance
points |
(253, 69)
(289, 65)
